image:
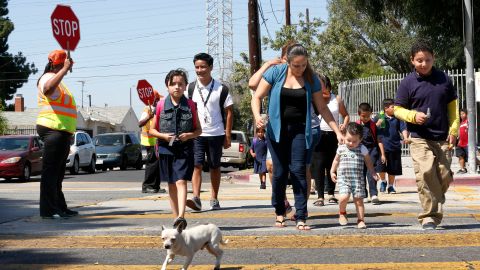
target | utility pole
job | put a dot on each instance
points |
(255, 53)
(470, 83)
(131, 95)
(83, 83)
(89, 100)
(307, 29)
(287, 12)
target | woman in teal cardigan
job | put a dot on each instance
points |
(291, 88)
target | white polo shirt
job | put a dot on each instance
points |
(212, 111)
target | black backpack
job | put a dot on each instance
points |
(223, 97)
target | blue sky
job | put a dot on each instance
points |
(124, 41)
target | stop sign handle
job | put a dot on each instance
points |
(68, 55)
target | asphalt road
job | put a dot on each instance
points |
(119, 228)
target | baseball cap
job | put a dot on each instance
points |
(57, 57)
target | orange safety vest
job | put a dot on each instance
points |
(59, 113)
(146, 139)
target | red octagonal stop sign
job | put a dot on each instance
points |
(66, 27)
(145, 92)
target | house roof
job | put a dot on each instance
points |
(114, 115)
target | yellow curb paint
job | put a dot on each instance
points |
(252, 242)
(376, 266)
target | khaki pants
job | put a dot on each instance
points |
(431, 161)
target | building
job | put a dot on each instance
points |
(94, 120)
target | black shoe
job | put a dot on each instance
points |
(61, 215)
(429, 226)
(71, 213)
(149, 190)
(263, 186)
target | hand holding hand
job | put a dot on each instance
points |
(340, 138)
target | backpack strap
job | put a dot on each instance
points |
(191, 88)
(223, 97)
(193, 108)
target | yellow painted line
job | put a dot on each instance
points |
(375, 266)
(464, 189)
(241, 215)
(252, 242)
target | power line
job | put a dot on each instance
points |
(263, 19)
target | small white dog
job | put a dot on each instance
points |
(187, 242)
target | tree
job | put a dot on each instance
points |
(335, 51)
(440, 21)
(3, 122)
(14, 69)
(242, 112)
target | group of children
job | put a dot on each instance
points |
(372, 145)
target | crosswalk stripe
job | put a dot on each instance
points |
(438, 240)
(240, 215)
(376, 266)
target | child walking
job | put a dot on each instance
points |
(372, 140)
(349, 161)
(259, 153)
(175, 125)
(392, 127)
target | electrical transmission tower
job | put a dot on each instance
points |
(220, 44)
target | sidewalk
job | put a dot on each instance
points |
(407, 179)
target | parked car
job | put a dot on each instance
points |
(238, 155)
(82, 153)
(118, 150)
(20, 156)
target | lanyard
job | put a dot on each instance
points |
(209, 92)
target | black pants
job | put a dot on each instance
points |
(152, 175)
(322, 160)
(55, 153)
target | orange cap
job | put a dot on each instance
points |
(57, 57)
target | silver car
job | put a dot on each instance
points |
(82, 153)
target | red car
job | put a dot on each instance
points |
(20, 156)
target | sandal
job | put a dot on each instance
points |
(301, 226)
(319, 202)
(180, 222)
(333, 200)
(280, 223)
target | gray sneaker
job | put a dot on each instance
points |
(214, 204)
(194, 203)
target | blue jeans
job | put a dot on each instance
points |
(288, 156)
(372, 184)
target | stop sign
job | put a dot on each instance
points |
(65, 27)
(145, 92)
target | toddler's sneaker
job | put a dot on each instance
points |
(383, 186)
(361, 224)
(391, 190)
(194, 203)
(214, 204)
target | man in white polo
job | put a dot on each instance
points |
(215, 112)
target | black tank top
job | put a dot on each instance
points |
(293, 105)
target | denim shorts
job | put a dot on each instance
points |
(212, 147)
